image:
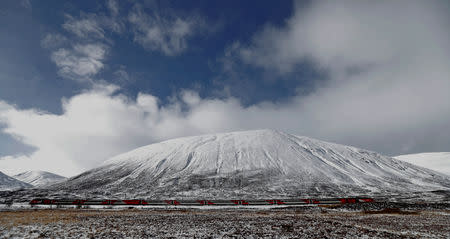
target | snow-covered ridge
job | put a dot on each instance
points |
(438, 161)
(39, 178)
(258, 163)
(10, 183)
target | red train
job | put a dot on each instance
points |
(138, 202)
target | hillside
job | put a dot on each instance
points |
(254, 164)
(39, 178)
(10, 183)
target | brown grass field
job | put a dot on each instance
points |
(224, 223)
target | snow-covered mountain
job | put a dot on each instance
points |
(39, 178)
(438, 161)
(253, 164)
(10, 183)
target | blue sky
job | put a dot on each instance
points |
(92, 79)
(150, 71)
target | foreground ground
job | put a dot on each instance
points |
(225, 223)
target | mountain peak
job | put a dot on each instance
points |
(254, 163)
(39, 178)
(10, 183)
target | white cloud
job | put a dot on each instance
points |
(387, 64)
(95, 125)
(84, 27)
(121, 76)
(94, 26)
(53, 40)
(345, 33)
(168, 35)
(113, 7)
(99, 124)
(81, 62)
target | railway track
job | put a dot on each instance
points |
(139, 202)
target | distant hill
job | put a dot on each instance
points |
(10, 183)
(39, 178)
(439, 161)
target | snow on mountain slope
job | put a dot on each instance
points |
(10, 183)
(439, 161)
(39, 178)
(253, 164)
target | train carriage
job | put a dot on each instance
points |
(235, 202)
